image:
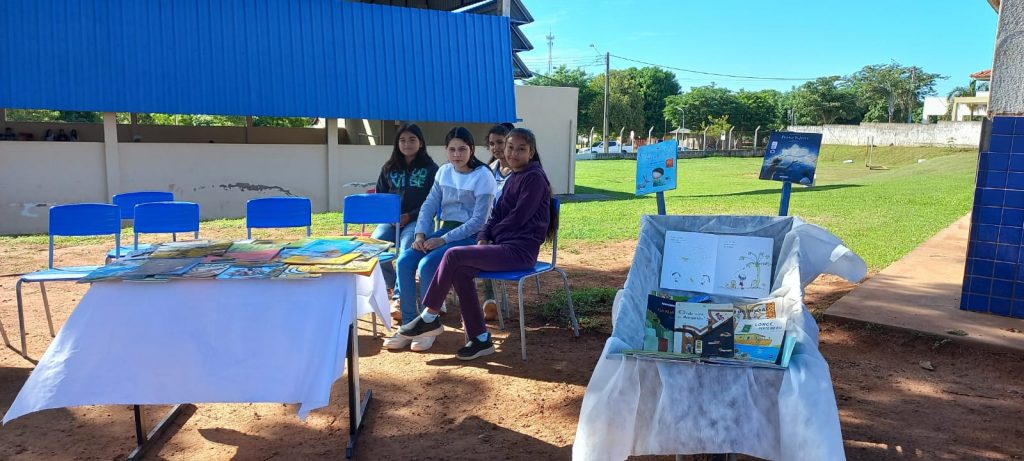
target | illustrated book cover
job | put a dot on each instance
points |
(760, 339)
(791, 157)
(254, 250)
(704, 329)
(718, 264)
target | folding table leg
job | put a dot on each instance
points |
(143, 441)
(356, 410)
(46, 308)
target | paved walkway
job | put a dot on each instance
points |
(921, 292)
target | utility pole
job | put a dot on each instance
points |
(913, 95)
(607, 68)
(551, 44)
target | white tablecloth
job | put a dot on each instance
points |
(639, 407)
(196, 341)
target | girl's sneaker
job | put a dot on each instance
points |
(476, 348)
(490, 310)
(420, 328)
(422, 344)
(396, 342)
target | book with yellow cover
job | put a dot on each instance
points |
(357, 266)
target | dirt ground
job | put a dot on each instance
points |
(432, 406)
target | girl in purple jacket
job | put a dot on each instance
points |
(520, 222)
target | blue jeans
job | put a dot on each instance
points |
(387, 232)
(412, 261)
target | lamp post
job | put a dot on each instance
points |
(607, 66)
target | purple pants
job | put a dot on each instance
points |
(459, 268)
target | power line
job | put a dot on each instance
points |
(745, 77)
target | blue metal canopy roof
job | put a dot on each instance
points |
(323, 58)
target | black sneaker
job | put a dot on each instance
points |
(420, 328)
(476, 348)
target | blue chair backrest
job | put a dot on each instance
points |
(278, 212)
(372, 209)
(82, 219)
(128, 200)
(166, 217)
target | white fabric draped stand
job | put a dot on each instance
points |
(196, 341)
(641, 407)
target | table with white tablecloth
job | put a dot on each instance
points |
(643, 407)
(205, 341)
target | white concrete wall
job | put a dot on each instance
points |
(222, 176)
(900, 134)
(36, 175)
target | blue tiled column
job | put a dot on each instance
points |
(994, 276)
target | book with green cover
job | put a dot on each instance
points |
(254, 250)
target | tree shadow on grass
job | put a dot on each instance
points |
(773, 191)
(593, 194)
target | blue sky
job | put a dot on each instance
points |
(768, 38)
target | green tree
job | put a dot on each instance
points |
(823, 101)
(698, 105)
(888, 92)
(625, 106)
(576, 78)
(716, 127)
(653, 85)
(759, 108)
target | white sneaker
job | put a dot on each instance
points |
(398, 341)
(422, 344)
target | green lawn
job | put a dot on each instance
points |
(880, 214)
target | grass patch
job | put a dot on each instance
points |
(880, 214)
(593, 307)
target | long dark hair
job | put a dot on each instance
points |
(500, 129)
(463, 134)
(531, 140)
(397, 159)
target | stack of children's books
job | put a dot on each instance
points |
(751, 331)
(246, 259)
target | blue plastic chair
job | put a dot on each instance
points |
(519, 276)
(272, 212)
(127, 201)
(82, 219)
(166, 218)
(366, 209)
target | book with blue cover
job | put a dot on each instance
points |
(791, 157)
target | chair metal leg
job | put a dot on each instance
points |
(568, 297)
(21, 318)
(46, 308)
(501, 305)
(522, 320)
(537, 278)
(3, 332)
(504, 299)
